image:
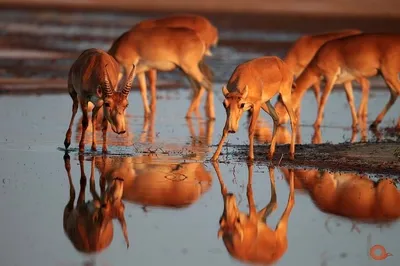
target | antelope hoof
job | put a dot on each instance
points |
(104, 150)
(316, 125)
(81, 148)
(66, 144)
(374, 125)
(94, 147)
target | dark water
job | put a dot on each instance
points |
(172, 198)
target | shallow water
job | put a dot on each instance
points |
(172, 194)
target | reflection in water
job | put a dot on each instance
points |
(350, 195)
(247, 237)
(263, 133)
(157, 181)
(89, 225)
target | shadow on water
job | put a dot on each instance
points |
(247, 236)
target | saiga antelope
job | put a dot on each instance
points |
(303, 50)
(251, 86)
(89, 224)
(350, 58)
(94, 77)
(165, 49)
(202, 26)
(247, 237)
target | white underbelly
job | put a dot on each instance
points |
(159, 65)
(344, 76)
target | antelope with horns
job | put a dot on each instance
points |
(89, 224)
(204, 28)
(247, 237)
(166, 49)
(303, 50)
(93, 77)
(251, 86)
(350, 58)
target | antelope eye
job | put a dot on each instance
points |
(242, 105)
(107, 104)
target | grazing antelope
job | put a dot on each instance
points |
(350, 58)
(93, 78)
(89, 224)
(202, 26)
(165, 49)
(351, 195)
(303, 50)
(251, 86)
(247, 237)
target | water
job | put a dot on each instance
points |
(172, 195)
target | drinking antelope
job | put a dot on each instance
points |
(303, 50)
(251, 86)
(93, 77)
(247, 237)
(202, 26)
(350, 58)
(89, 224)
(165, 49)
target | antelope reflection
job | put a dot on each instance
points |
(350, 195)
(88, 225)
(247, 237)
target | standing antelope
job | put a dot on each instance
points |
(89, 224)
(94, 77)
(303, 50)
(251, 86)
(350, 58)
(165, 49)
(247, 237)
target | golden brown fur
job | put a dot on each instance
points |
(303, 50)
(247, 237)
(250, 87)
(351, 195)
(93, 77)
(165, 49)
(89, 224)
(350, 58)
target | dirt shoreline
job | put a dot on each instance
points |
(382, 158)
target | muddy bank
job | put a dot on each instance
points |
(373, 158)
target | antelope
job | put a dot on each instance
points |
(250, 87)
(351, 195)
(303, 50)
(247, 237)
(165, 49)
(203, 27)
(88, 225)
(93, 78)
(173, 183)
(350, 58)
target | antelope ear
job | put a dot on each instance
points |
(245, 92)
(220, 233)
(99, 91)
(225, 90)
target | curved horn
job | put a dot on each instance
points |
(225, 90)
(129, 81)
(245, 92)
(122, 222)
(107, 84)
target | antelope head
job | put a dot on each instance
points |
(235, 103)
(116, 102)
